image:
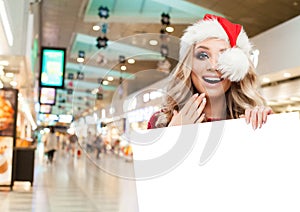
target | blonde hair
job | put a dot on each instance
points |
(241, 95)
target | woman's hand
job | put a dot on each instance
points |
(257, 116)
(191, 112)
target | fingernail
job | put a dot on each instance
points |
(195, 95)
(203, 100)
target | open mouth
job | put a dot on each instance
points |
(212, 80)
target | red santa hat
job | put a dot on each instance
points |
(234, 62)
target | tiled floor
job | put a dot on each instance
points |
(74, 184)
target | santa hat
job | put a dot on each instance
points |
(232, 63)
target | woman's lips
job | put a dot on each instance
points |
(212, 79)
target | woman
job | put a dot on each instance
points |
(214, 79)
(51, 144)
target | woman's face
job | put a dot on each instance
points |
(205, 76)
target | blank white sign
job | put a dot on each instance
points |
(244, 170)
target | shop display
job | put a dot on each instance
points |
(8, 109)
(6, 152)
(3, 164)
(8, 104)
(6, 113)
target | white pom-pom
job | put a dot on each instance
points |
(233, 64)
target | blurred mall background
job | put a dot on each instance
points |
(115, 57)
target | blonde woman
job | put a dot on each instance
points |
(214, 79)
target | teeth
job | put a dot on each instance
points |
(213, 79)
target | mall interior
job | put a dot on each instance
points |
(94, 70)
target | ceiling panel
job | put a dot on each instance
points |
(113, 50)
(145, 11)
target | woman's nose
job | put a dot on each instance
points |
(213, 63)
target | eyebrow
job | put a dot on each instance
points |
(204, 47)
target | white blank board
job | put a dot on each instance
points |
(250, 170)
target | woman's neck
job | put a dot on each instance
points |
(215, 108)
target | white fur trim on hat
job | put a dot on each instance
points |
(233, 64)
(199, 32)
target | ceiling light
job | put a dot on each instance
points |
(132, 104)
(94, 91)
(295, 98)
(110, 78)
(153, 42)
(155, 94)
(266, 80)
(287, 74)
(131, 61)
(146, 97)
(9, 74)
(112, 110)
(80, 60)
(169, 29)
(123, 68)
(4, 62)
(6, 25)
(96, 28)
(103, 113)
(295, 3)
(105, 82)
(13, 83)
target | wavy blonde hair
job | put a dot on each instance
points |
(241, 95)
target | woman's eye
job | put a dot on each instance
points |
(201, 56)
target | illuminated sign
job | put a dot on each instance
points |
(63, 118)
(52, 67)
(45, 109)
(48, 119)
(47, 96)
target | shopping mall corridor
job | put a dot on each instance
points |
(73, 184)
